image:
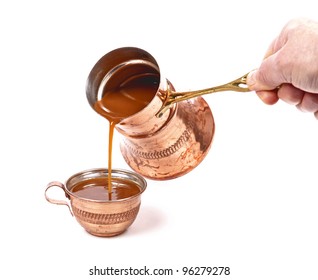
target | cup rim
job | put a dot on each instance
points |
(138, 179)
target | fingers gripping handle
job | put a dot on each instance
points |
(57, 201)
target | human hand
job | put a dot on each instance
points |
(289, 70)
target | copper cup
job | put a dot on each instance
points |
(101, 217)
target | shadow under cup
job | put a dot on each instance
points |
(101, 217)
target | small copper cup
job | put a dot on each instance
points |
(101, 217)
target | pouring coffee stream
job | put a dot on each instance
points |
(166, 133)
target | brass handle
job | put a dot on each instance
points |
(173, 97)
(57, 201)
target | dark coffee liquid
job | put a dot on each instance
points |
(123, 101)
(97, 189)
(128, 98)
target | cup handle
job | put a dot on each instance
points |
(57, 201)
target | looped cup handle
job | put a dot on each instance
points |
(57, 201)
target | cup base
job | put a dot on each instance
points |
(111, 234)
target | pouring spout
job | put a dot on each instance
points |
(172, 97)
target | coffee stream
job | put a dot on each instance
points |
(122, 102)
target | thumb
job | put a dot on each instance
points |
(267, 77)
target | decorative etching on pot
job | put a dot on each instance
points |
(106, 219)
(185, 136)
(175, 148)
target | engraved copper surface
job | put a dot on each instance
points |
(99, 217)
(105, 219)
(175, 149)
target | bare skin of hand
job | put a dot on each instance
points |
(289, 70)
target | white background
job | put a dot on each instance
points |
(252, 203)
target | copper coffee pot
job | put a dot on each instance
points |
(173, 133)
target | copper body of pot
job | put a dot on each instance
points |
(101, 217)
